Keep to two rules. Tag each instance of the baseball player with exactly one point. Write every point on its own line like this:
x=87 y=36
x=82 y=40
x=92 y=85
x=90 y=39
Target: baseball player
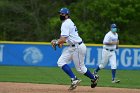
x=75 y=51
x=110 y=44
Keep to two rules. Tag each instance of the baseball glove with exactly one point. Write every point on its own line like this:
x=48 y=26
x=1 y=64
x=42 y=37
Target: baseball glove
x=54 y=43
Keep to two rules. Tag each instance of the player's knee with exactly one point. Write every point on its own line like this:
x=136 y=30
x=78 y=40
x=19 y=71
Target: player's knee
x=101 y=66
x=60 y=64
x=82 y=70
x=113 y=67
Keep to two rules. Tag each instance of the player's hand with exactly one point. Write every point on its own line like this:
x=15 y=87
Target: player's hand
x=54 y=43
x=60 y=45
x=118 y=42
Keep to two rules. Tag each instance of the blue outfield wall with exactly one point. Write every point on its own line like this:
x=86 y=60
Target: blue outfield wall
x=42 y=54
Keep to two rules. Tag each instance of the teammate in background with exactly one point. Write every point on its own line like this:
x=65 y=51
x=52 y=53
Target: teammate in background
x=110 y=44
x=75 y=51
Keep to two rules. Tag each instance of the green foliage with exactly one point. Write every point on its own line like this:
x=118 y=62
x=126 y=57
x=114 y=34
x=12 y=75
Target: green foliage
x=101 y=13
x=38 y=20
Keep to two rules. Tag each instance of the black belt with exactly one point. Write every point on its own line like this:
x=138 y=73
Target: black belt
x=78 y=43
x=109 y=49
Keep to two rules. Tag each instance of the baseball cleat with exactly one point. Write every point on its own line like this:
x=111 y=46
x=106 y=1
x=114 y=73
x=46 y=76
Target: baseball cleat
x=95 y=73
x=74 y=84
x=94 y=82
x=115 y=81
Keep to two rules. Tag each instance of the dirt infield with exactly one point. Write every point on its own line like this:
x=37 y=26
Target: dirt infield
x=7 y=87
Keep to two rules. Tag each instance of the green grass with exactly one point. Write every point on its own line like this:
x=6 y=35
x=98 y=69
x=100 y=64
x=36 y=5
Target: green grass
x=129 y=78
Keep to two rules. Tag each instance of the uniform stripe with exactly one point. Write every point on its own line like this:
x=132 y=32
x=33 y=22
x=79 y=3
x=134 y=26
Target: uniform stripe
x=65 y=35
x=79 y=58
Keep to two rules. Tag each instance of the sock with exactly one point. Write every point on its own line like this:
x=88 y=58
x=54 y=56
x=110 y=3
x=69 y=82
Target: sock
x=113 y=74
x=89 y=74
x=97 y=69
x=68 y=71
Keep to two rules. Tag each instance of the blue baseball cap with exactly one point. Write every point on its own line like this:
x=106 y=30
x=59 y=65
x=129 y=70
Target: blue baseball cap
x=64 y=11
x=113 y=26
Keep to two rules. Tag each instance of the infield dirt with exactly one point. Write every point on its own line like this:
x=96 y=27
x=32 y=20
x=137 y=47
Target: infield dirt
x=9 y=87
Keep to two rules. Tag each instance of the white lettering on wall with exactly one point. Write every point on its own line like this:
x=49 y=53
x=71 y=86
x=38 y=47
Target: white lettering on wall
x=99 y=55
x=126 y=58
x=88 y=57
x=1 y=53
x=136 y=58
x=94 y=59
x=127 y=62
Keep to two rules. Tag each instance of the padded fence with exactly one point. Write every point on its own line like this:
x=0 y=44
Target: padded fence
x=42 y=54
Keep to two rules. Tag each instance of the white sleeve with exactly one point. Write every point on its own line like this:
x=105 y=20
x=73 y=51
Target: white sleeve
x=117 y=37
x=106 y=39
x=65 y=30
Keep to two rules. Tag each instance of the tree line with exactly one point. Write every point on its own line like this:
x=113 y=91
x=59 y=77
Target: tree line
x=38 y=20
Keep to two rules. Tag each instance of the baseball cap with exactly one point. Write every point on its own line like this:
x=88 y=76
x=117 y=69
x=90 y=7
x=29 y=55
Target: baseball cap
x=113 y=26
x=64 y=11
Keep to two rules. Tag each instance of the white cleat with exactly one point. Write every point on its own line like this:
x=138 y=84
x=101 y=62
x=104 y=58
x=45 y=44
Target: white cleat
x=95 y=73
x=115 y=81
x=74 y=84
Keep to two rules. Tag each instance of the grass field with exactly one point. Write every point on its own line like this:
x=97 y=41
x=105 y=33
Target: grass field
x=129 y=78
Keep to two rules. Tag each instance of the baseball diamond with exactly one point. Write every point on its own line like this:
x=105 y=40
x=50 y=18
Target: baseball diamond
x=9 y=87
